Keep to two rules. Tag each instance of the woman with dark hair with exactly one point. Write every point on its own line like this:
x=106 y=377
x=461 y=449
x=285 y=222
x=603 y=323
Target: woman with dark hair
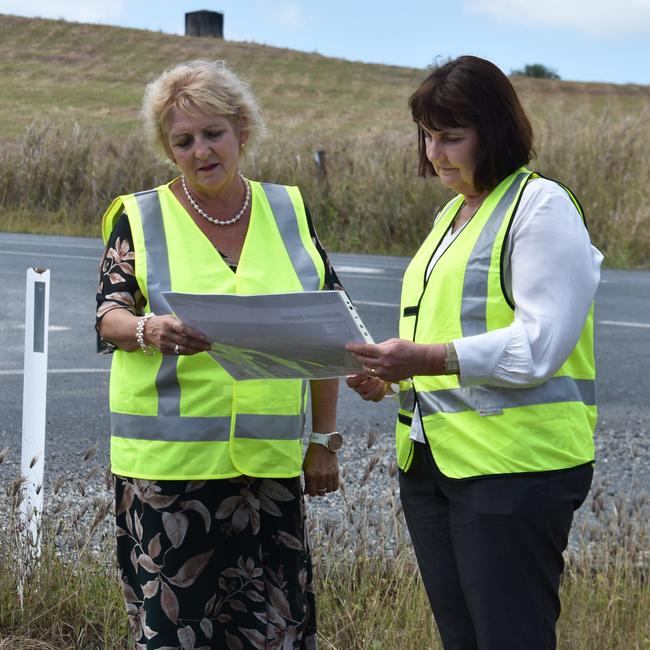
x=496 y=369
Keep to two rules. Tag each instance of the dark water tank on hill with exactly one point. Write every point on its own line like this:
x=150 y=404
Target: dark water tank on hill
x=204 y=23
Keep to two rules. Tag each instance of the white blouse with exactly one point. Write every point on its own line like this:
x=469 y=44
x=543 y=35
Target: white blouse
x=551 y=274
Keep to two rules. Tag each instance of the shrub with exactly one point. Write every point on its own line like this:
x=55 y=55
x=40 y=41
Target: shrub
x=536 y=70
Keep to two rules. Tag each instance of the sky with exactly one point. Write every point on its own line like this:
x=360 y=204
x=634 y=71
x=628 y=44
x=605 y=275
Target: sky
x=581 y=40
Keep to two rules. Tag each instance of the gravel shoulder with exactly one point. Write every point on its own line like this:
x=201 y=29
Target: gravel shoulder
x=77 y=486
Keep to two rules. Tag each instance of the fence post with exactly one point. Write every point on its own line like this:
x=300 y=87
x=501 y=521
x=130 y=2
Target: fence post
x=37 y=316
x=320 y=160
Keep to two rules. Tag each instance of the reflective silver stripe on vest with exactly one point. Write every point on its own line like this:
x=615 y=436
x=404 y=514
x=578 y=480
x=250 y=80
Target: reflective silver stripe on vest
x=206 y=429
x=158 y=276
x=303 y=392
x=492 y=400
x=473 y=314
x=407 y=399
x=158 y=280
x=169 y=428
x=287 y=222
x=269 y=427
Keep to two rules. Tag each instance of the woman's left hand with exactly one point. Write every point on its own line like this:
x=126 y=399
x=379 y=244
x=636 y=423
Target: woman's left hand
x=321 y=468
x=397 y=359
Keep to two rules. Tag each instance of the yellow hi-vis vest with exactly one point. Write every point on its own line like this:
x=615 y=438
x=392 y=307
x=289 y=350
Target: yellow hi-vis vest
x=183 y=417
x=483 y=430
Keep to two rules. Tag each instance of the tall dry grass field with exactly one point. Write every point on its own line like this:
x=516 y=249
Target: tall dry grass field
x=368 y=588
x=71 y=140
x=59 y=180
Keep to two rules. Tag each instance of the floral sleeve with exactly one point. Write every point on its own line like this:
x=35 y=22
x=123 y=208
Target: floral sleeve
x=118 y=287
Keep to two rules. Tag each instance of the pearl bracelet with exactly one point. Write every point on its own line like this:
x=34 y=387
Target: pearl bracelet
x=139 y=334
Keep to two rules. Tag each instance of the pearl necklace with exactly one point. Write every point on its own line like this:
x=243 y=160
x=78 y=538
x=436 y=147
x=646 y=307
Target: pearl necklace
x=205 y=215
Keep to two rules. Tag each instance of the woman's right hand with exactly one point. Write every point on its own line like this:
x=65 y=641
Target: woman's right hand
x=170 y=335
x=371 y=389
x=163 y=333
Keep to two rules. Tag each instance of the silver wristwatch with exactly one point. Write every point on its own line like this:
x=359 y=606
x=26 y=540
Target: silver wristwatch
x=332 y=441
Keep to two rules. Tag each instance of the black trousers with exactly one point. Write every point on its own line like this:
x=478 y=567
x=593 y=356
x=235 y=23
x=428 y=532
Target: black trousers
x=490 y=551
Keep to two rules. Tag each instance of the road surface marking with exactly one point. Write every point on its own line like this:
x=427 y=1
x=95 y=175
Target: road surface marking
x=60 y=371
x=614 y=323
x=21 y=326
x=47 y=254
x=342 y=268
x=51 y=328
x=21 y=242
x=376 y=304
x=624 y=324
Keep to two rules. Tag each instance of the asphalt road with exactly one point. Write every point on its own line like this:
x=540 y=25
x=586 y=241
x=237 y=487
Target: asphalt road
x=78 y=378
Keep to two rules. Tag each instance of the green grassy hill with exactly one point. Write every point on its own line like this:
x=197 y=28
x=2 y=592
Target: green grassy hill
x=95 y=74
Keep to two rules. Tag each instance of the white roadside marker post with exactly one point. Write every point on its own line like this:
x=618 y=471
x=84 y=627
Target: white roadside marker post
x=37 y=316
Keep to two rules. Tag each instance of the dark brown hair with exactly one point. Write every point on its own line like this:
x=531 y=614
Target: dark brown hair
x=472 y=92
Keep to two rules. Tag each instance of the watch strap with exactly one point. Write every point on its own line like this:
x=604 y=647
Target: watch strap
x=319 y=438
x=452 y=367
x=326 y=439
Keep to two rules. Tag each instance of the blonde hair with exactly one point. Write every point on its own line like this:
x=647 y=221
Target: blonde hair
x=200 y=86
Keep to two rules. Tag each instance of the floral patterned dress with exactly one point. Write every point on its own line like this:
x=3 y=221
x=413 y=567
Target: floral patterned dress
x=216 y=564
x=208 y=564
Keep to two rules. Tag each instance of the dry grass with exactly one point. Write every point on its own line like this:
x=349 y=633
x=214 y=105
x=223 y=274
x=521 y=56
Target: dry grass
x=59 y=180
x=604 y=158
x=70 y=598
x=369 y=593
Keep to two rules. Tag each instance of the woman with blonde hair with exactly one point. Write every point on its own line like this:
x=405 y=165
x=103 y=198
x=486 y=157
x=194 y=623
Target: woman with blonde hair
x=211 y=540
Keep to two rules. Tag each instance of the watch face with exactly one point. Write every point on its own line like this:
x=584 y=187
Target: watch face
x=334 y=442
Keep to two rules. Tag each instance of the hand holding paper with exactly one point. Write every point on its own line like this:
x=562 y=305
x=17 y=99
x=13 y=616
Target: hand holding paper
x=277 y=336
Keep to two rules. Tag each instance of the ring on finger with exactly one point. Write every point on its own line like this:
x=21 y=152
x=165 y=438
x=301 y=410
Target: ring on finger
x=372 y=371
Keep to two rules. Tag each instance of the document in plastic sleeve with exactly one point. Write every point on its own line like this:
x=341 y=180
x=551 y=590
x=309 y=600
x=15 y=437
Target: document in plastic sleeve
x=276 y=336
